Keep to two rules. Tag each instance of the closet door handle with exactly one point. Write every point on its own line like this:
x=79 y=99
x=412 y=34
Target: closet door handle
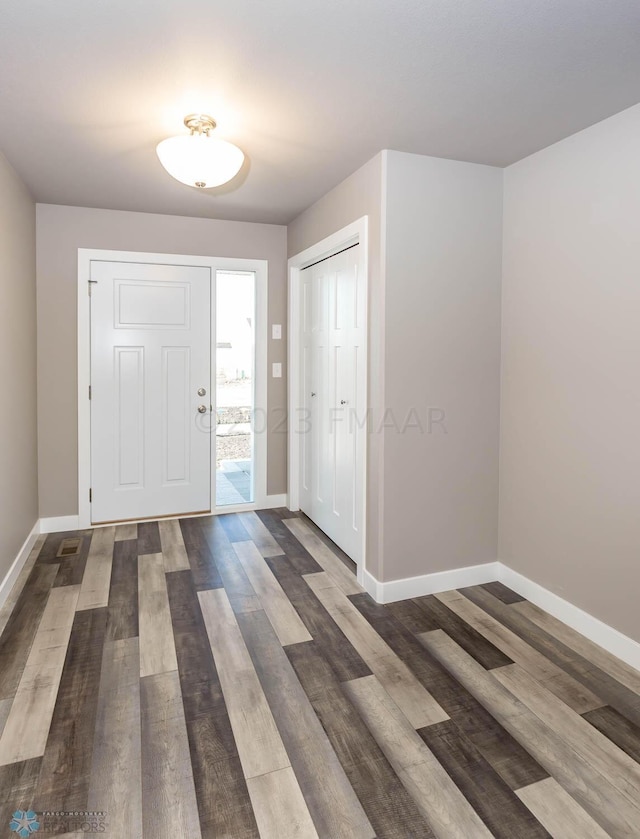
x=344 y=401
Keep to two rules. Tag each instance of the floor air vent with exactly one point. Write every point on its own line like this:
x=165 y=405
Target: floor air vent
x=69 y=547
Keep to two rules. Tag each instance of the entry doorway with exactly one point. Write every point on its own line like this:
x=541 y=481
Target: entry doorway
x=172 y=352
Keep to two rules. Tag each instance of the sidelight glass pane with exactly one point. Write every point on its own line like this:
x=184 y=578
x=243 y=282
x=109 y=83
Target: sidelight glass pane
x=235 y=354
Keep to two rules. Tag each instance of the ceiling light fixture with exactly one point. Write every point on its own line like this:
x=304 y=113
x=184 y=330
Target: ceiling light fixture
x=197 y=159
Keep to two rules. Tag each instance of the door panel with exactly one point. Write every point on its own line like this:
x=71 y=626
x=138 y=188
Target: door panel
x=128 y=377
x=150 y=352
x=151 y=305
x=176 y=425
x=334 y=444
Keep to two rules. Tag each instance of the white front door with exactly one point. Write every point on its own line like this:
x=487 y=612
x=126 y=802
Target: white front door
x=334 y=388
x=150 y=390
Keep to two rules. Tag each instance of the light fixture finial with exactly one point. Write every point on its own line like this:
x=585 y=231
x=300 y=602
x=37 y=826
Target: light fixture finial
x=200 y=123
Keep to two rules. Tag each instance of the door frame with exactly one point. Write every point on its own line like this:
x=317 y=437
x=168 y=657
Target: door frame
x=260 y=266
x=352 y=234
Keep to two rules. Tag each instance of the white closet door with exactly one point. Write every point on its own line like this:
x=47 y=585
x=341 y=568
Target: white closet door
x=334 y=382
x=150 y=354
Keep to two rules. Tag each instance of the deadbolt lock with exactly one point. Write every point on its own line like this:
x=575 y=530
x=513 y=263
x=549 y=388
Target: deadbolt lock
x=202 y=391
x=202 y=409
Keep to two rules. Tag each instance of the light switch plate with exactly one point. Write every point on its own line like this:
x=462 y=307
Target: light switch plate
x=277 y=370
x=276 y=331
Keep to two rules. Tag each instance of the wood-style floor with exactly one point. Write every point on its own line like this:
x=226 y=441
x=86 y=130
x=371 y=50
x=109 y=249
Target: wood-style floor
x=227 y=677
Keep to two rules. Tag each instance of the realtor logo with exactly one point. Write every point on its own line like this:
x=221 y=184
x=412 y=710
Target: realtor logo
x=24 y=823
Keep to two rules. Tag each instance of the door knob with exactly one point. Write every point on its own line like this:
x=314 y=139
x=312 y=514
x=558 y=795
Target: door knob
x=344 y=402
x=202 y=391
x=202 y=409
x=313 y=393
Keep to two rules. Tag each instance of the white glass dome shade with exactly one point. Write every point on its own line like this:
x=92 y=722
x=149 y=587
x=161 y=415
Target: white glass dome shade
x=198 y=159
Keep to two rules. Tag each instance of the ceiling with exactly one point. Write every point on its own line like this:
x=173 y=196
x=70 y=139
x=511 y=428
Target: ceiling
x=309 y=89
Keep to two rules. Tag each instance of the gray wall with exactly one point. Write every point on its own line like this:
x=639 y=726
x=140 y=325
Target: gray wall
x=18 y=406
x=570 y=449
x=442 y=354
x=434 y=342
x=61 y=231
x=361 y=194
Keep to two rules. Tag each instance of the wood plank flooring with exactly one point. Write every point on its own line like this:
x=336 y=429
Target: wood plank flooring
x=226 y=678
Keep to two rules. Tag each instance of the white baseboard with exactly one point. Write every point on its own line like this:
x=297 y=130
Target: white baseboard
x=276 y=501
x=394 y=590
x=58 y=524
x=16 y=567
x=593 y=628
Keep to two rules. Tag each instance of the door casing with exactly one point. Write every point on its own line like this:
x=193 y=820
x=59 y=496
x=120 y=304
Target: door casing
x=356 y=232
x=260 y=267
